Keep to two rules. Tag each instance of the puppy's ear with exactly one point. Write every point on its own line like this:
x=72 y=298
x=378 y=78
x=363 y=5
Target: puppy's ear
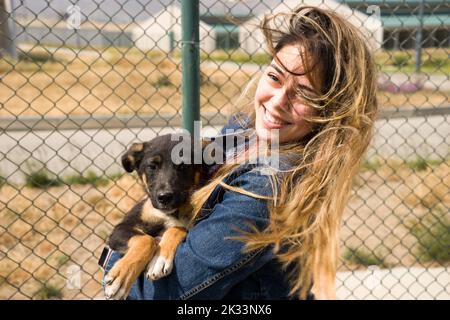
x=133 y=157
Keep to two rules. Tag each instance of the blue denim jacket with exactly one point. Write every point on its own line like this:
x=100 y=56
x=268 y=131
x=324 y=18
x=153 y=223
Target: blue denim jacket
x=207 y=265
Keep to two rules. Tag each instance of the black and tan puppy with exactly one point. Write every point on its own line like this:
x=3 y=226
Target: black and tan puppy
x=164 y=213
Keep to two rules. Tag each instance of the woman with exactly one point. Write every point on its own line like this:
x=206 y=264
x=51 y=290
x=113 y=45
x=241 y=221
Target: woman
x=275 y=236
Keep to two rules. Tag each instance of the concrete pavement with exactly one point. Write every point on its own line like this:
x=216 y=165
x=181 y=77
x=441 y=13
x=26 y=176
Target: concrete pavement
x=394 y=284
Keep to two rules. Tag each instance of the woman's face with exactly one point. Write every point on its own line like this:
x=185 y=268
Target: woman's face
x=276 y=105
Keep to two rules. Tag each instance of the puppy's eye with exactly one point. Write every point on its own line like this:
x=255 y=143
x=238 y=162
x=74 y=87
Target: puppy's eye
x=151 y=166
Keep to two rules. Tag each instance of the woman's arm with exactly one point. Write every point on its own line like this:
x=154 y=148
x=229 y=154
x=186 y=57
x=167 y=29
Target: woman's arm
x=207 y=265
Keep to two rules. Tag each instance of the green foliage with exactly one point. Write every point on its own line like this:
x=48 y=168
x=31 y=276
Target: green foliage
x=433 y=236
x=418 y=164
x=237 y=57
x=437 y=63
x=434 y=61
x=37 y=57
x=371 y=165
x=48 y=291
x=364 y=257
x=90 y=178
x=163 y=81
x=400 y=60
x=421 y=164
x=63 y=259
x=41 y=179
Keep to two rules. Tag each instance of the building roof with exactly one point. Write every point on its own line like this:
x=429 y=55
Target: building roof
x=413 y=21
x=399 y=8
x=392 y=2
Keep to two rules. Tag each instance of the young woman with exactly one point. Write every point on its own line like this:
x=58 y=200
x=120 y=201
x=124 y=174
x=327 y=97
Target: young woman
x=276 y=236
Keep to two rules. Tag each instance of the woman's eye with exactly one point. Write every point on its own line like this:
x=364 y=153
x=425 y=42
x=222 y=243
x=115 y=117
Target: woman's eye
x=273 y=77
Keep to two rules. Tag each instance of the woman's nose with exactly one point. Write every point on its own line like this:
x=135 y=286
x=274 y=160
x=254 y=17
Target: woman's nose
x=280 y=99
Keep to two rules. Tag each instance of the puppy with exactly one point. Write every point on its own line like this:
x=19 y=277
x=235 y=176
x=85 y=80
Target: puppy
x=164 y=212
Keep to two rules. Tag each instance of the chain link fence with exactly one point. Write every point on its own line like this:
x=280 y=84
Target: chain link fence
x=81 y=80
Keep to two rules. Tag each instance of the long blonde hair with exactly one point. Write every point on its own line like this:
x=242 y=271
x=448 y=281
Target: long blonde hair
x=309 y=200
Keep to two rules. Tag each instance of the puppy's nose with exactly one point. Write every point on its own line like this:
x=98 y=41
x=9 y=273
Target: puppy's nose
x=165 y=197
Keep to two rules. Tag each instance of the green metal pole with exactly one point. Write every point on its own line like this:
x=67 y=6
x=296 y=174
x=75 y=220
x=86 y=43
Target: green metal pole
x=190 y=63
x=419 y=38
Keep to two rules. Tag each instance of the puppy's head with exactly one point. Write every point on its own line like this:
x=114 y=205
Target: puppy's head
x=168 y=178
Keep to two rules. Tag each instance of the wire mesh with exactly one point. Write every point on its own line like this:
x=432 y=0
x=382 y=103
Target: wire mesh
x=81 y=80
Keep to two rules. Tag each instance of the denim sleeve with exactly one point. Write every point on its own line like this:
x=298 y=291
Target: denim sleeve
x=207 y=265
x=234 y=124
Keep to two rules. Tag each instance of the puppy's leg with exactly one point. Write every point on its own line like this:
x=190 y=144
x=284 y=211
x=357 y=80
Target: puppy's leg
x=125 y=271
x=162 y=262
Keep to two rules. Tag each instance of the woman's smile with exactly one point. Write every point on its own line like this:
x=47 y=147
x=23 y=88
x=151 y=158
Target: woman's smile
x=272 y=122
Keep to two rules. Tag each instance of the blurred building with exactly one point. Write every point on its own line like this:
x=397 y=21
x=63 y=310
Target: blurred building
x=163 y=31
x=252 y=40
x=225 y=24
x=58 y=32
x=400 y=20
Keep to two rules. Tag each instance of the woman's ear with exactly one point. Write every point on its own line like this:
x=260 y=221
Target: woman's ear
x=133 y=157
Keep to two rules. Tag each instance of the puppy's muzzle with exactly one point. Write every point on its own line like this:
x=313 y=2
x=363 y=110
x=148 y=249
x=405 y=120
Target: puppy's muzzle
x=165 y=198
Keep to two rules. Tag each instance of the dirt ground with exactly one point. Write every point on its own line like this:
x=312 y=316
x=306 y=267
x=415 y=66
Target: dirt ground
x=45 y=234
x=107 y=86
x=131 y=82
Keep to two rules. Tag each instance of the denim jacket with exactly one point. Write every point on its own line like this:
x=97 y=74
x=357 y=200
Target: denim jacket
x=207 y=264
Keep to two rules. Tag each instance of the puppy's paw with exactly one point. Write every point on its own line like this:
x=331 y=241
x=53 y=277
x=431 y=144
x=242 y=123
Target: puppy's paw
x=159 y=267
x=117 y=285
x=114 y=289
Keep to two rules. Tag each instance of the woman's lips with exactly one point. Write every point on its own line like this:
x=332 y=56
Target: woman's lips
x=271 y=122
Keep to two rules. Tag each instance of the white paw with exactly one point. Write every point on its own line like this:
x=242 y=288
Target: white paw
x=114 y=289
x=159 y=267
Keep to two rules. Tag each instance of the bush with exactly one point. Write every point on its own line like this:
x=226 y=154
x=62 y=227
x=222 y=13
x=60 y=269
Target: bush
x=41 y=179
x=163 y=81
x=237 y=57
x=437 y=63
x=37 y=57
x=400 y=60
x=91 y=178
x=364 y=257
x=2 y=182
x=372 y=165
x=433 y=237
x=47 y=292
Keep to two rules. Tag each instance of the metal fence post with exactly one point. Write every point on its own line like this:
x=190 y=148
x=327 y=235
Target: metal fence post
x=7 y=30
x=419 y=36
x=190 y=63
